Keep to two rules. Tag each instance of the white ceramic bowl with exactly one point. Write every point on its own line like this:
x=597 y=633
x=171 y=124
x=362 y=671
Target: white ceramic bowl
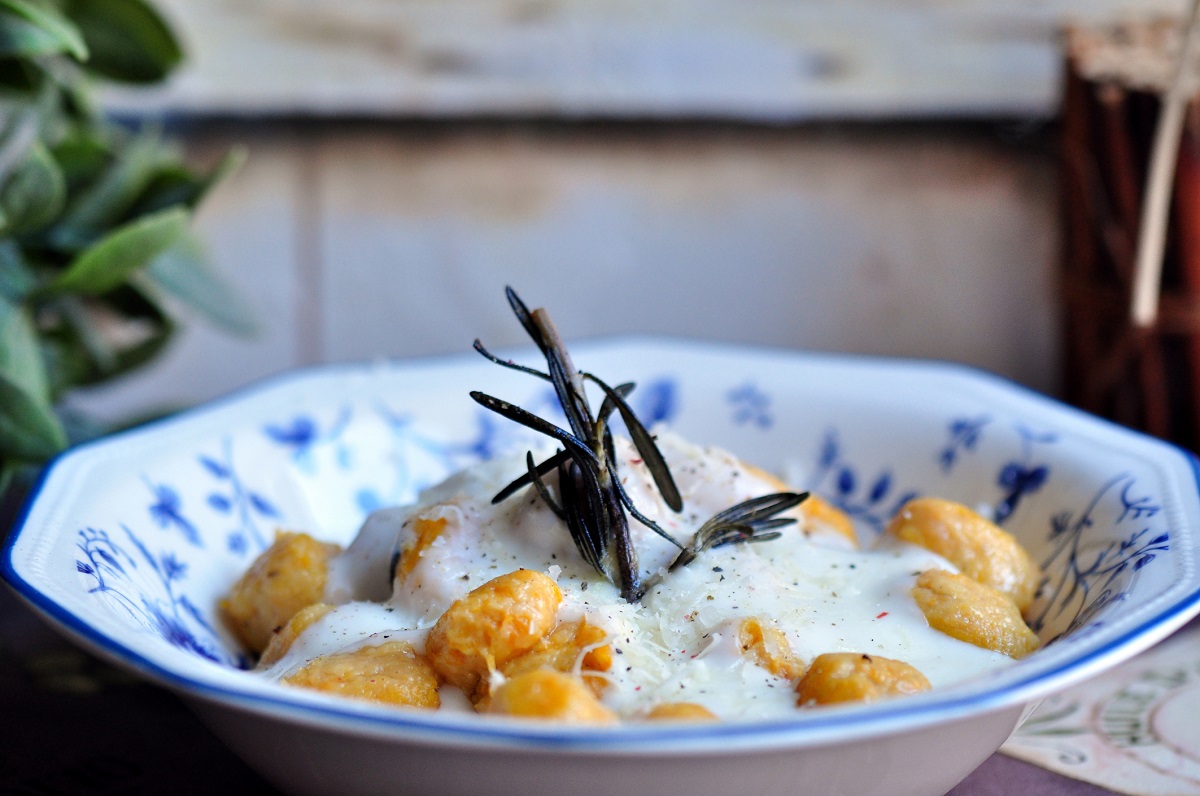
x=129 y=542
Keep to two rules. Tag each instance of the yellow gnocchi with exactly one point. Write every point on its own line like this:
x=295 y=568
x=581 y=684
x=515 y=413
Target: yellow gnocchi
x=768 y=646
x=505 y=617
x=572 y=647
x=980 y=549
x=425 y=531
x=391 y=672
x=680 y=711
x=971 y=612
x=856 y=677
x=283 y=639
x=733 y=635
x=287 y=576
x=549 y=694
x=818 y=516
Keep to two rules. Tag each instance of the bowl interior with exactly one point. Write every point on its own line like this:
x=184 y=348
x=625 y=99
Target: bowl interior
x=131 y=542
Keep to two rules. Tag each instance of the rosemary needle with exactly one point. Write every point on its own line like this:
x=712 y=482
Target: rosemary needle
x=588 y=496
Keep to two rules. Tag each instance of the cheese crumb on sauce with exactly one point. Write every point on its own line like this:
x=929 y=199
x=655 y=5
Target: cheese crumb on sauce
x=680 y=643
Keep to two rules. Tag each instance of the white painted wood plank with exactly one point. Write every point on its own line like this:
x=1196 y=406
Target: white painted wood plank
x=777 y=60
x=251 y=225
x=900 y=244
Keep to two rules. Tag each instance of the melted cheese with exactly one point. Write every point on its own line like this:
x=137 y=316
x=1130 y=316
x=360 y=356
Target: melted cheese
x=680 y=642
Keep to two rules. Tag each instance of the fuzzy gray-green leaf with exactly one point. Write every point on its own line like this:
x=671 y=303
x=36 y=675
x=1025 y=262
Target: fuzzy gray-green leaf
x=29 y=29
x=110 y=196
x=16 y=279
x=28 y=428
x=185 y=272
x=177 y=184
x=128 y=40
x=20 y=356
x=112 y=259
x=33 y=194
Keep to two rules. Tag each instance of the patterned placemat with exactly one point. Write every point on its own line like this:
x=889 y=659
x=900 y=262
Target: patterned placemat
x=1135 y=729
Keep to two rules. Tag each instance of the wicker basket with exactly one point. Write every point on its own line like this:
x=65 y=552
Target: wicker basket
x=1147 y=378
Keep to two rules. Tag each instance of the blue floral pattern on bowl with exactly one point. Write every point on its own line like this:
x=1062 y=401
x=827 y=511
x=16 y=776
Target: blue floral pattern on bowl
x=156 y=524
x=1085 y=586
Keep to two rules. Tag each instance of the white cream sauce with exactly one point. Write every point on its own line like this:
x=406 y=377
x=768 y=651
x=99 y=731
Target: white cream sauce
x=679 y=643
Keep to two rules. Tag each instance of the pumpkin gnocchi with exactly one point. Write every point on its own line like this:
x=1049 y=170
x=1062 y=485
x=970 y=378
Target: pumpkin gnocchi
x=493 y=603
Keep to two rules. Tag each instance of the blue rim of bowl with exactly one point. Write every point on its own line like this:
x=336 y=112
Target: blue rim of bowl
x=813 y=729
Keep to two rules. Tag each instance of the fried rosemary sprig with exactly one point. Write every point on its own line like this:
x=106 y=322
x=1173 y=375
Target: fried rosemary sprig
x=591 y=500
x=753 y=520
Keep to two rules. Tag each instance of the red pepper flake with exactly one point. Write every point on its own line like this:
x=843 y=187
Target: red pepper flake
x=635 y=461
x=882 y=615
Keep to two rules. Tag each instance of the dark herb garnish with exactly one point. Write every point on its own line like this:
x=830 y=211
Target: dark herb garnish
x=590 y=498
x=753 y=520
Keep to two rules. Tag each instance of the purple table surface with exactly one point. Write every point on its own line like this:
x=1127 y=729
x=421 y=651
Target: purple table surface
x=71 y=724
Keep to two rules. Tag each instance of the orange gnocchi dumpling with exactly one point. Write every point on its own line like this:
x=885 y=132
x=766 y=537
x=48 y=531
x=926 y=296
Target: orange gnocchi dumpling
x=572 y=648
x=421 y=532
x=391 y=672
x=491 y=625
x=819 y=516
x=979 y=548
x=286 y=577
x=856 y=677
x=286 y=636
x=549 y=694
x=969 y=611
x=764 y=643
x=815 y=516
x=680 y=711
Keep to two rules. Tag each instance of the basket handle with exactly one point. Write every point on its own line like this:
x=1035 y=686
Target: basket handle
x=1147 y=273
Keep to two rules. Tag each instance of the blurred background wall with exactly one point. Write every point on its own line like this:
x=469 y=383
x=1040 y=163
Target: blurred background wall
x=872 y=176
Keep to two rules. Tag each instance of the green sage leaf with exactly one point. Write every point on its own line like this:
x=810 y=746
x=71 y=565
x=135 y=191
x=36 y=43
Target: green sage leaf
x=20 y=354
x=111 y=260
x=16 y=279
x=31 y=28
x=18 y=134
x=176 y=184
x=67 y=364
x=8 y=475
x=128 y=40
x=185 y=272
x=28 y=428
x=100 y=338
x=83 y=326
x=19 y=77
x=33 y=195
x=82 y=158
x=108 y=199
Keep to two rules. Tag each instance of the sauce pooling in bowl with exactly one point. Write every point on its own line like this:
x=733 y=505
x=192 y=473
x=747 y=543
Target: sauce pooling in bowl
x=494 y=604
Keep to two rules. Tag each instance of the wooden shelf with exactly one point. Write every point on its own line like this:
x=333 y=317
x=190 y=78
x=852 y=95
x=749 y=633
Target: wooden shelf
x=768 y=60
